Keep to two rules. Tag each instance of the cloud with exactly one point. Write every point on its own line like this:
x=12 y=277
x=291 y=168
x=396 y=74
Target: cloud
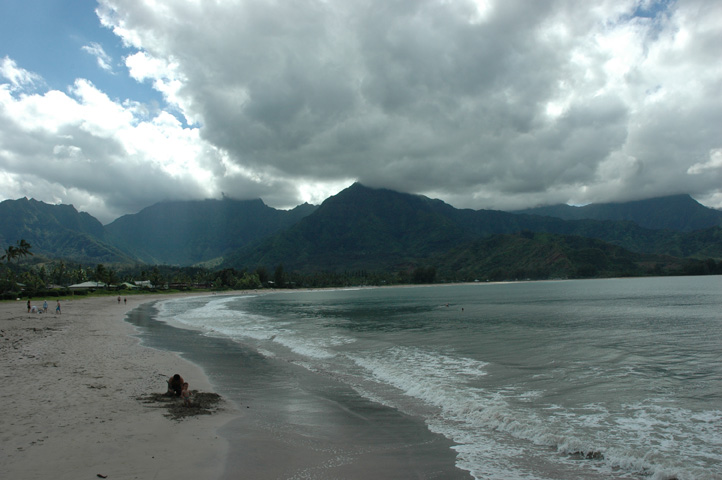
x=485 y=104
x=103 y=59
x=513 y=103
x=108 y=157
x=18 y=78
x=712 y=165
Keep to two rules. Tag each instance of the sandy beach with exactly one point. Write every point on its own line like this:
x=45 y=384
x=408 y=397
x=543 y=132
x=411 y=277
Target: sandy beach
x=72 y=398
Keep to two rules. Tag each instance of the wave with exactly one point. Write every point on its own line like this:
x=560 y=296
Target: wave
x=493 y=418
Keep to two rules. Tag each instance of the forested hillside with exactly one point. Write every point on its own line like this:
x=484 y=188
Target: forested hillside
x=370 y=230
x=677 y=212
x=57 y=231
x=189 y=232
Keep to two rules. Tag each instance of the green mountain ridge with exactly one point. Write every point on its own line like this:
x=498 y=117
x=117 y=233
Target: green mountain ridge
x=190 y=232
x=675 y=212
x=58 y=231
x=365 y=229
x=547 y=256
x=357 y=228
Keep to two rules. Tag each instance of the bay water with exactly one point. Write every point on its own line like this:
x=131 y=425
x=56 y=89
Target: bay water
x=614 y=378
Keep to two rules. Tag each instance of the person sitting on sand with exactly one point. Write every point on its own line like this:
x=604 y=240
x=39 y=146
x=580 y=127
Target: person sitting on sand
x=175 y=385
x=186 y=395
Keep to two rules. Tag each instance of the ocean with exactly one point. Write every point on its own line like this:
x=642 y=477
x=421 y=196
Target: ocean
x=614 y=378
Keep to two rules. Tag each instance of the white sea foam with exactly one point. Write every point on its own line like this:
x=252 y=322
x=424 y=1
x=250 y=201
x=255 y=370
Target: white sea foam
x=196 y=312
x=467 y=414
x=218 y=317
x=307 y=347
x=214 y=317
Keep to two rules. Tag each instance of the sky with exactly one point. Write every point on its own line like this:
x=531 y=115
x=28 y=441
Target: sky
x=114 y=105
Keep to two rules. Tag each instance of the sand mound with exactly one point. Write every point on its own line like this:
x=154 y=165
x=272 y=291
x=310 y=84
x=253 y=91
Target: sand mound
x=202 y=403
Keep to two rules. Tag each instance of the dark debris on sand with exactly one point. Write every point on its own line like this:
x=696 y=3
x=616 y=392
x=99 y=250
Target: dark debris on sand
x=202 y=403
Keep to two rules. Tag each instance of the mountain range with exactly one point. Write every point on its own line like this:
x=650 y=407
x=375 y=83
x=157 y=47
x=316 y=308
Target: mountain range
x=190 y=232
x=58 y=231
x=362 y=228
x=675 y=212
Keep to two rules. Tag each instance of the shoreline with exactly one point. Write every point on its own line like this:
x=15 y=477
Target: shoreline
x=71 y=397
x=295 y=423
x=75 y=391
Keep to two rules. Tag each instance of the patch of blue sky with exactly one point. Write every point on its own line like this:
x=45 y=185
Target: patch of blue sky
x=62 y=40
x=652 y=8
x=654 y=13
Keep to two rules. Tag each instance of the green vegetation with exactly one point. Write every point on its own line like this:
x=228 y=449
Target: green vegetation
x=500 y=258
x=541 y=256
x=52 y=278
x=15 y=252
x=360 y=236
x=191 y=232
x=676 y=212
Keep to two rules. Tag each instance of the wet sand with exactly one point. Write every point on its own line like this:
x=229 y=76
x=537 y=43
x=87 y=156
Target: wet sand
x=74 y=398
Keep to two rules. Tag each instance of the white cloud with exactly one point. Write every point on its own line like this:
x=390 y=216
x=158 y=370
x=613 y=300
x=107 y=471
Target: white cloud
x=18 y=77
x=104 y=60
x=166 y=79
x=86 y=148
x=712 y=165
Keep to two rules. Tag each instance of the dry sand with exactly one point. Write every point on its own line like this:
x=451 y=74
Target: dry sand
x=74 y=399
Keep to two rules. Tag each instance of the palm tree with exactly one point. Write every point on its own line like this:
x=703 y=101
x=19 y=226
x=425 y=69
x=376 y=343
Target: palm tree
x=23 y=249
x=101 y=273
x=10 y=253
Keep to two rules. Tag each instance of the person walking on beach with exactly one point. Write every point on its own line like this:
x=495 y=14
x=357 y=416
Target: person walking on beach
x=57 y=308
x=45 y=306
x=118 y=299
x=28 y=306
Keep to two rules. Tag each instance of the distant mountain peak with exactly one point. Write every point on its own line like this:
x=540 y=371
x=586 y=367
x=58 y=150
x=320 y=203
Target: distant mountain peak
x=56 y=231
x=678 y=212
